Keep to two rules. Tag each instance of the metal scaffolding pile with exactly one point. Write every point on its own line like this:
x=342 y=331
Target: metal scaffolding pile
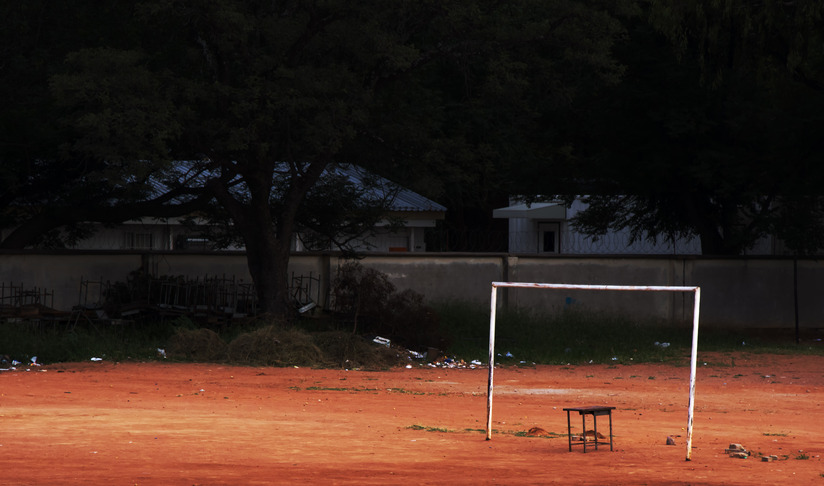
x=18 y=301
x=215 y=299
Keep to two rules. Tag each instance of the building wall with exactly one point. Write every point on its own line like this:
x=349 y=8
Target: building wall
x=753 y=292
x=158 y=236
x=523 y=238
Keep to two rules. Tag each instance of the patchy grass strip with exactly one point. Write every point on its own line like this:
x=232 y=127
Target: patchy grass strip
x=516 y=433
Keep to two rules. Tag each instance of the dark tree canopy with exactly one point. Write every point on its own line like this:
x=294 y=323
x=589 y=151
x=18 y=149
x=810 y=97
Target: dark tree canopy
x=715 y=129
x=263 y=97
x=677 y=117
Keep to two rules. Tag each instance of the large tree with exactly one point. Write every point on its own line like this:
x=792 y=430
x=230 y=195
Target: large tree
x=715 y=131
x=262 y=98
x=79 y=122
x=505 y=94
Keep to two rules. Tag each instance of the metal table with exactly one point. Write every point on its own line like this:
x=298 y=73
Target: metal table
x=595 y=411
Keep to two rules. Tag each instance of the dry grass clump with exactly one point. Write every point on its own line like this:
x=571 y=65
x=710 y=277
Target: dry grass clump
x=274 y=346
x=350 y=351
x=197 y=345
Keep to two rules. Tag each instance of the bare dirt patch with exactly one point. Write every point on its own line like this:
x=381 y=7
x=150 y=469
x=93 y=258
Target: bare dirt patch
x=165 y=423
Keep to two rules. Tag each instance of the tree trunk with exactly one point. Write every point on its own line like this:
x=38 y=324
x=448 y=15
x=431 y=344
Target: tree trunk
x=699 y=212
x=269 y=265
x=268 y=239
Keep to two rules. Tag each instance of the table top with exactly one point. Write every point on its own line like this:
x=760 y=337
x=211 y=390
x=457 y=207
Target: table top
x=589 y=409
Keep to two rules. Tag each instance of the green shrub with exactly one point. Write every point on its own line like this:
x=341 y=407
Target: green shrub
x=365 y=298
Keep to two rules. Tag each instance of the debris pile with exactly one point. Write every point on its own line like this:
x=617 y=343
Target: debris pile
x=450 y=363
x=9 y=364
x=737 y=451
x=589 y=435
x=538 y=432
x=18 y=301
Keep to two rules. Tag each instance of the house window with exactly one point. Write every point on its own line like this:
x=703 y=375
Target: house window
x=191 y=243
x=548 y=237
x=137 y=241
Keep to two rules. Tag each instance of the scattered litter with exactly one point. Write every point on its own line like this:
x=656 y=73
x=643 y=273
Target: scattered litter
x=670 y=440
x=449 y=363
x=476 y=362
x=415 y=354
x=382 y=341
x=662 y=345
x=161 y=352
x=306 y=308
x=408 y=366
x=614 y=358
x=97 y=359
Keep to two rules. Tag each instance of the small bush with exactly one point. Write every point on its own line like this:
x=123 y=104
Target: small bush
x=367 y=299
x=412 y=323
x=360 y=294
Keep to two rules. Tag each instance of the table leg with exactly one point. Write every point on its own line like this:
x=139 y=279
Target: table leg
x=595 y=429
x=569 y=432
x=584 y=427
x=610 y=430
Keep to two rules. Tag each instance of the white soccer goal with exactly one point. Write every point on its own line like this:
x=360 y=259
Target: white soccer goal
x=647 y=288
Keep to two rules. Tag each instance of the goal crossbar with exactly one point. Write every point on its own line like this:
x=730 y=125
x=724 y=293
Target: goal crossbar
x=644 y=288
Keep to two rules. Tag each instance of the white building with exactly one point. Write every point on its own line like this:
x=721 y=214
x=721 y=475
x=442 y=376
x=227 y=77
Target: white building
x=416 y=213
x=544 y=227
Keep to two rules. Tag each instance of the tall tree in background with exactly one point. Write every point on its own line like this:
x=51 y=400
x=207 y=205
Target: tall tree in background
x=459 y=91
x=715 y=131
x=502 y=95
x=60 y=166
x=260 y=95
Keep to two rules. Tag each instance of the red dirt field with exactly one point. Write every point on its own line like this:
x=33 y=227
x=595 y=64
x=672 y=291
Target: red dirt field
x=171 y=423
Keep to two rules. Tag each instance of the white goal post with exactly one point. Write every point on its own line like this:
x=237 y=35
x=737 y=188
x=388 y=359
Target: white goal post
x=648 y=288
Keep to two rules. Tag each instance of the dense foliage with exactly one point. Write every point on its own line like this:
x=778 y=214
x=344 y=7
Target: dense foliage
x=676 y=117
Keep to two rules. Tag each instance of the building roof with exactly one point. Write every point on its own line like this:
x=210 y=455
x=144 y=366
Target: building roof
x=379 y=188
x=532 y=211
x=405 y=200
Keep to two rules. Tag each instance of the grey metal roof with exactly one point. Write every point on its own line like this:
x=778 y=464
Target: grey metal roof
x=405 y=200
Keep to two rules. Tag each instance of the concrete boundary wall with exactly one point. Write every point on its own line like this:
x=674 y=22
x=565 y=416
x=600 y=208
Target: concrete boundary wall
x=736 y=292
